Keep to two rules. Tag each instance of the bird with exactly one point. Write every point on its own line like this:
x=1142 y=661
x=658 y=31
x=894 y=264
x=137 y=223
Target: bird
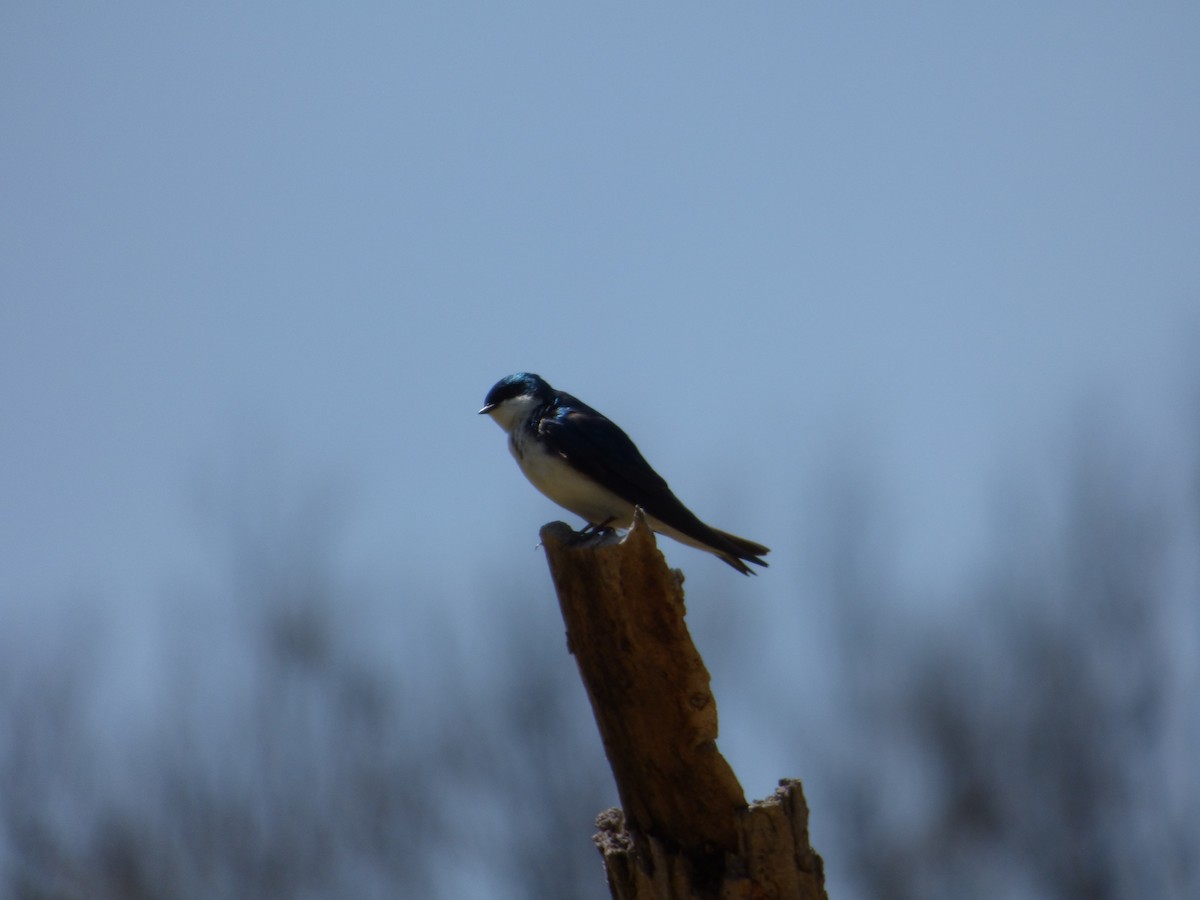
x=583 y=462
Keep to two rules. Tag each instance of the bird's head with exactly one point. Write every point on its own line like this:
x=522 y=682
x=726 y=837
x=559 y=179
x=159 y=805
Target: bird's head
x=514 y=397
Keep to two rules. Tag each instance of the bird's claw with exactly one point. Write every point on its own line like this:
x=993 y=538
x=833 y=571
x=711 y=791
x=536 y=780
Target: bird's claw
x=600 y=529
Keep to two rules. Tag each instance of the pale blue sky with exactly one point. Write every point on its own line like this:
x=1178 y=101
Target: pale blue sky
x=756 y=235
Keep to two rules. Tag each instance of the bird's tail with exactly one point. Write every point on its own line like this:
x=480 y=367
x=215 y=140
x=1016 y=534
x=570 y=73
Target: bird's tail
x=736 y=549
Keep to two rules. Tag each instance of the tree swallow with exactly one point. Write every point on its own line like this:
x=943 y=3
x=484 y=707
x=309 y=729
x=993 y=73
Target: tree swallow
x=585 y=463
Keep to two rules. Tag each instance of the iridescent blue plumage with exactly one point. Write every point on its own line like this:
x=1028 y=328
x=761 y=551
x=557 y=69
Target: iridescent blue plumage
x=581 y=460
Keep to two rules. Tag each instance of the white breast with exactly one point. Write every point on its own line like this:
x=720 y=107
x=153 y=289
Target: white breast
x=550 y=474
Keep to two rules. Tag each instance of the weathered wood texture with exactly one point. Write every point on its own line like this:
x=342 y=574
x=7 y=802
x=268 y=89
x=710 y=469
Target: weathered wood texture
x=685 y=830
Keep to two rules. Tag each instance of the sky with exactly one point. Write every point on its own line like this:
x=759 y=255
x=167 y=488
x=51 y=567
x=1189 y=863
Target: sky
x=256 y=249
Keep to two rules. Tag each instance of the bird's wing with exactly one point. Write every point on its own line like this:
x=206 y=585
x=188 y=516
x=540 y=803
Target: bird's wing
x=595 y=446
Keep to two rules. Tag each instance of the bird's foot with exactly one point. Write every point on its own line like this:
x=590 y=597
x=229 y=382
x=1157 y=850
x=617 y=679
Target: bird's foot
x=600 y=529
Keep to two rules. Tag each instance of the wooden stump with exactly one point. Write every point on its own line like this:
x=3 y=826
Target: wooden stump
x=686 y=830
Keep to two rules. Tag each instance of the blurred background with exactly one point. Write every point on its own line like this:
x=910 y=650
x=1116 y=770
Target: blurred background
x=911 y=296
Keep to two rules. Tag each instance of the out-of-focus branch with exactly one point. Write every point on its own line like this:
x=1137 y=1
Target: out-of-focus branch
x=686 y=830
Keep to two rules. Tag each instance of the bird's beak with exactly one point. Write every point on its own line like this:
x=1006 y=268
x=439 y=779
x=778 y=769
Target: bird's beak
x=487 y=409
